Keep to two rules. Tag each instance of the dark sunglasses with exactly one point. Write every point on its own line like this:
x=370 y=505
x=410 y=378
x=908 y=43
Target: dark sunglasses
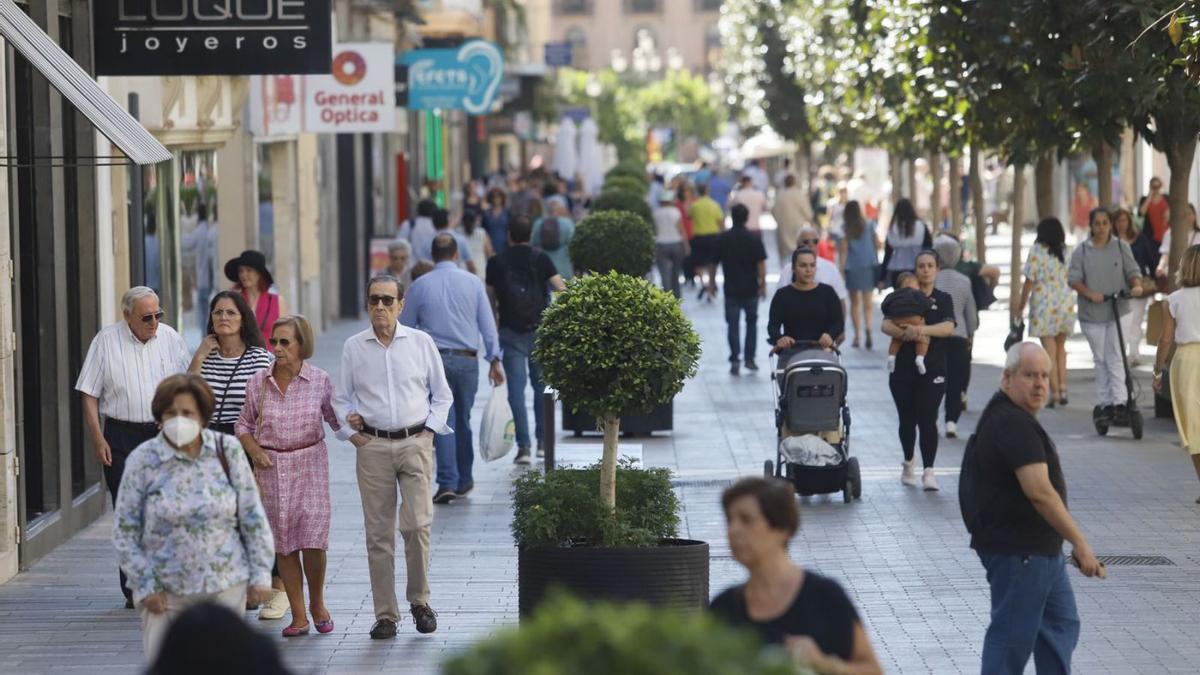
x=387 y=300
x=149 y=318
x=275 y=342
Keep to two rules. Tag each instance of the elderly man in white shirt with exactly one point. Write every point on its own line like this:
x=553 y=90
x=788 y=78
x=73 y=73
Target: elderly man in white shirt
x=123 y=367
x=827 y=272
x=392 y=398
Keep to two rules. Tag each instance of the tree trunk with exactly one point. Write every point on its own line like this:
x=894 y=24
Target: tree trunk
x=1044 y=179
x=956 y=205
x=608 y=465
x=803 y=163
x=896 y=169
x=935 y=196
x=912 y=181
x=1017 y=222
x=1179 y=159
x=1103 y=154
x=977 y=206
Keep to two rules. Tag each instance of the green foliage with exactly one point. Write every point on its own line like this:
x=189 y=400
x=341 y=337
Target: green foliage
x=628 y=170
x=625 y=183
x=614 y=108
x=683 y=102
x=613 y=344
x=632 y=202
x=612 y=240
x=563 y=508
x=567 y=635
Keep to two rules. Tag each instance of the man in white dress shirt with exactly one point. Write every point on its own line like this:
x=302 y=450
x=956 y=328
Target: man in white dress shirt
x=124 y=365
x=392 y=398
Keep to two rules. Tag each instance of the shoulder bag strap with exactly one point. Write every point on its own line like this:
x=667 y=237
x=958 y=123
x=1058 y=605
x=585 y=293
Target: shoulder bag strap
x=229 y=383
x=225 y=467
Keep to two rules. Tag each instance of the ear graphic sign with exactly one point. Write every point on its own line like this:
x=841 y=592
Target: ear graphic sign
x=485 y=64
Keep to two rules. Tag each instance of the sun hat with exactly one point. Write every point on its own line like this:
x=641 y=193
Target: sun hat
x=253 y=259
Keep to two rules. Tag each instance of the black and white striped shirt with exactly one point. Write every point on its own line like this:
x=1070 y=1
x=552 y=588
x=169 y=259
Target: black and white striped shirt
x=228 y=378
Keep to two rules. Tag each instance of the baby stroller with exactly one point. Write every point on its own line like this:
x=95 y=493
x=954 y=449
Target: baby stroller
x=813 y=424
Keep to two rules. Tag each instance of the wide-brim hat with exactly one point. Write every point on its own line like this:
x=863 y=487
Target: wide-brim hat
x=253 y=259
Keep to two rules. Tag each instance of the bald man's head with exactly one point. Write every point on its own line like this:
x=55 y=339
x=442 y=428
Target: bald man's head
x=1026 y=378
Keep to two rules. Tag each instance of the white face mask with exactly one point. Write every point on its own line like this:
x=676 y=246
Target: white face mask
x=181 y=431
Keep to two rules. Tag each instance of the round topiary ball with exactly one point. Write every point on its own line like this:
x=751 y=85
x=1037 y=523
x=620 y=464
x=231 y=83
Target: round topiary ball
x=624 y=201
x=628 y=170
x=621 y=183
x=613 y=344
x=612 y=241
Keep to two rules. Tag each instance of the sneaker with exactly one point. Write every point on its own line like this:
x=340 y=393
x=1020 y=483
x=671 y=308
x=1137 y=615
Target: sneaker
x=384 y=629
x=750 y=365
x=424 y=617
x=733 y=369
x=951 y=429
x=275 y=608
x=541 y=454
x=128 y=603
x=907 y=475
x=929 y=481
x=444 y=496
x=464 y=490
x=522 y=457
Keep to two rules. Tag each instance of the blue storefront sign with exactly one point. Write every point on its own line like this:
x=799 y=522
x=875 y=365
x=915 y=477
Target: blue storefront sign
x=466 y=78
x=557 y=54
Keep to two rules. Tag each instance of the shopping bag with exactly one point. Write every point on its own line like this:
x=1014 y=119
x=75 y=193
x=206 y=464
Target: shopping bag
x=497 y=432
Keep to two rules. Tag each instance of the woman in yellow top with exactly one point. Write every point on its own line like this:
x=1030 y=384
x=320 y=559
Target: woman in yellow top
x=708 y=221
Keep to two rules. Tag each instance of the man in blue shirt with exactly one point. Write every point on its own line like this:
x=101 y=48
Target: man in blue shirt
x=719 y=187
x=452 y=306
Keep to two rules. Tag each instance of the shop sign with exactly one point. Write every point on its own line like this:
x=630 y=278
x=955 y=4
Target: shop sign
x=466 y=78
x=557 y=54
x=213 y=37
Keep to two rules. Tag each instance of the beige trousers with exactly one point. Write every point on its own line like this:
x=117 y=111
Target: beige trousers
x=384 y=465
x=154 y=626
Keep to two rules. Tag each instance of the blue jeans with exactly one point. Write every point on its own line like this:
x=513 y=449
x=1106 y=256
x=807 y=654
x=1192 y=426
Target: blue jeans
x=455 y=452
x=519 y=365
x=734 y=307
x=1033 y=612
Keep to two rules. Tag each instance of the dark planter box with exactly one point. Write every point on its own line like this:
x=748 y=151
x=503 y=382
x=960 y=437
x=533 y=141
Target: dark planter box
x=674 y=574
x=661 y=418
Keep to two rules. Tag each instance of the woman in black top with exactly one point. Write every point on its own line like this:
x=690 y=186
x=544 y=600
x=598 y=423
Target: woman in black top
x=805 y=311
x=786 y=605
x=918 y=396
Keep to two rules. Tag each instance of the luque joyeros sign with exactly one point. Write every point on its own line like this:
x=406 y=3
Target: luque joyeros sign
x=465 y=78
x=211 y=37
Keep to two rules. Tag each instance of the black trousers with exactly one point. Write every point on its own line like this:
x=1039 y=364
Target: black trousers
x=958 y=376
x=917 y=402
x=122 y=438
x=734 y=307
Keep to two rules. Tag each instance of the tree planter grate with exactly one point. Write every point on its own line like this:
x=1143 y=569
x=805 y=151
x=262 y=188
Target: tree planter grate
x=1134 y=560
x=702 y=482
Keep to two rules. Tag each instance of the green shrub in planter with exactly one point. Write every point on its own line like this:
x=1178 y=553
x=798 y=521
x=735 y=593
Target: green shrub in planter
x=566 y=635
x=622 y=183
x=612 y=240
x=563 y=508
x=613 y=344
x=624 y=201
x=630 y=170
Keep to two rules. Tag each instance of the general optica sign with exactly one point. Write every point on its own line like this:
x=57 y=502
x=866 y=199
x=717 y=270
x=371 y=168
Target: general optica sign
x=211 y=37
x=360 y=94
x=465 y=78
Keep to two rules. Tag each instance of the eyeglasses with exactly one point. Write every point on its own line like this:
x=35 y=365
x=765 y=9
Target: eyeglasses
x=229 y=313
x=280 y=342
x=151 y=318
x=810 y=242
x=387 y=300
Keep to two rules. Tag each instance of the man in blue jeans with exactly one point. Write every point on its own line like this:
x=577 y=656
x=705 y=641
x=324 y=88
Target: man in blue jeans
x=519 y=281
x=743 y=258
x=1013 y=496
x=451 y=305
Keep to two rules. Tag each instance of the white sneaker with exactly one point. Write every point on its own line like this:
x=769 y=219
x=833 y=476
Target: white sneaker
x=907 y=475
x=276 y=607
x=929 y=481
x=951 y=430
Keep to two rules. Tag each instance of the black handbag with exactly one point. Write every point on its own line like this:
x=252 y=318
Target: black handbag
x=1016 y=333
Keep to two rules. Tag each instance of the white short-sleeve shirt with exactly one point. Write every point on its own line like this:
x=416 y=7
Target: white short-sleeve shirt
x=123 y=372
x=1184 y=305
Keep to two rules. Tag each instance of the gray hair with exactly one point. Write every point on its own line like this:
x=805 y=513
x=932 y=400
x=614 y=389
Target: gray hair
x=808 y=229
x=948 y=250
x=400 y=245
x=134 y=294
x=1015 y=353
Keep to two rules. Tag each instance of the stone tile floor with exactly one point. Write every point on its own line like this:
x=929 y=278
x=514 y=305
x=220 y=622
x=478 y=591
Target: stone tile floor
x=901 y=553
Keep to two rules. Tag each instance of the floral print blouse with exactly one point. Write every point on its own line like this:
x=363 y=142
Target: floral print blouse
x=177 y=520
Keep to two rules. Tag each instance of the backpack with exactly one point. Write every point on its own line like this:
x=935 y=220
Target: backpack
x=551 y=236
x=525 y=294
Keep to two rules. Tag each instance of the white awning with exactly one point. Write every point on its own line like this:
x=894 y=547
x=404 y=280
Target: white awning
x=78 y=87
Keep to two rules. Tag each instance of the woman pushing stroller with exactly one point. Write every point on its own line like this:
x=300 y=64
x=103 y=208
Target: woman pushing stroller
x=805 y=311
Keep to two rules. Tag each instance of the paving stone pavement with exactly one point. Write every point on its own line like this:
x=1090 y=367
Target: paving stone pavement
x=901 y=553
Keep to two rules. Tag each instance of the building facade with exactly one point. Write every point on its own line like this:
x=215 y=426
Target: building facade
x=606 y=33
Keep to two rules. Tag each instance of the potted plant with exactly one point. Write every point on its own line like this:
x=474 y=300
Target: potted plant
x=623 y=183
x=610 y=344
x=615 y=241
x=568 y=636
x=624 y=201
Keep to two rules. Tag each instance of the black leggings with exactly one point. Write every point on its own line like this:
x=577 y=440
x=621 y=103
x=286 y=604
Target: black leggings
x=958 y=375
x=917 y=403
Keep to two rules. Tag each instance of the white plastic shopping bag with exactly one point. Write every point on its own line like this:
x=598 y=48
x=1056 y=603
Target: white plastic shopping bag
x=498 y=431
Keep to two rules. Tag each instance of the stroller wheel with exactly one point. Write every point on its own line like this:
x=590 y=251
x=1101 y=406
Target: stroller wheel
x=854 y=473
x=769 y=469
x=848 y=492
x=1135 y=423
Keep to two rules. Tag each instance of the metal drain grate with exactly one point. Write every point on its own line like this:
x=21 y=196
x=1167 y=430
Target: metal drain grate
x=1131 y=560
x=702 y=482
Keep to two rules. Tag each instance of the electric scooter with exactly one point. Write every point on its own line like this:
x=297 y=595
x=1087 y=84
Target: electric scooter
x=1127 y=415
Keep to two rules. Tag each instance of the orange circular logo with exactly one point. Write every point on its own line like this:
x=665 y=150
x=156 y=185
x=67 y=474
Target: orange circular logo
x=349 y=68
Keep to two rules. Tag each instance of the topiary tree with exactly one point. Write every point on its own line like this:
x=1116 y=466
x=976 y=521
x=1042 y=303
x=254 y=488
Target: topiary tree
x=623 y=183
x=613 y=344
x=624 y=201
x=630 y=170
x=605 y=241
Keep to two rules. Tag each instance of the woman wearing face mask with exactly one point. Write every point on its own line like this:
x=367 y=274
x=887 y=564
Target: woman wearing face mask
x=188 y=499
x=280 y=427
x=785 y=604
x=1100 y=266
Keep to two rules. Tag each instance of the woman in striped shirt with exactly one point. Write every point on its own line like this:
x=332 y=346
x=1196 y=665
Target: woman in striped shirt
x=232 y=352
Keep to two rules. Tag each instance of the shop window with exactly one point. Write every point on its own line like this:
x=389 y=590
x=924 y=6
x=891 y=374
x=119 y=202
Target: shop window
x=198 y=221
x=573 y=7
x=577 y=37
x=708 y=5
x=643 y=6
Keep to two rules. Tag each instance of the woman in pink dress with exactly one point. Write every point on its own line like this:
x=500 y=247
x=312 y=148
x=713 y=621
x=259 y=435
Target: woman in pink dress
x=280 y=427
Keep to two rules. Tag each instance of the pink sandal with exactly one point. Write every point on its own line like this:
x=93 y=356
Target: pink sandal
x=325 y=626
x=292 y=631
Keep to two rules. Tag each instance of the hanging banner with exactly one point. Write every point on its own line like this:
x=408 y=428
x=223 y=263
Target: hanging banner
x=465 y=78
x=359 y=96
x=215 y=37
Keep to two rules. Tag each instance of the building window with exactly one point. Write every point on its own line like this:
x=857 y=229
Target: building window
x=712 y=45
x=577 y=38
x=643 y=6
x=573 y=7
x=708 y=5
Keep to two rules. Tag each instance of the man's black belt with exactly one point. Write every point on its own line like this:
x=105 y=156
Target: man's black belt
x=394 y=435
x=469 y=353
x=141 y=427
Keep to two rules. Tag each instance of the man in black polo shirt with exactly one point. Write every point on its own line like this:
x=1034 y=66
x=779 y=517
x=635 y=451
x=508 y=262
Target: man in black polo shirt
x=1013 y=496
x=744 y=261
x=519 y=282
